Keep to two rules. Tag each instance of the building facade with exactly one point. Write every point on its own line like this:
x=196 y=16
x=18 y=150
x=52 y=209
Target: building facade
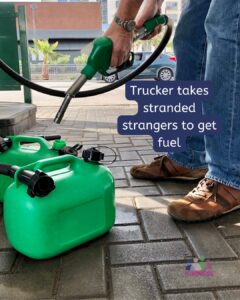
x=108 y=8
x=70 y=24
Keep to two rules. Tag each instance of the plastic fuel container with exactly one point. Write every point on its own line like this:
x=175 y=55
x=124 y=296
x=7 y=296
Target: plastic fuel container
x=80 y=208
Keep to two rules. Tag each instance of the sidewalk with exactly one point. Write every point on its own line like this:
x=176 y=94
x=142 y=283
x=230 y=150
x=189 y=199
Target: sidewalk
x=144 y=255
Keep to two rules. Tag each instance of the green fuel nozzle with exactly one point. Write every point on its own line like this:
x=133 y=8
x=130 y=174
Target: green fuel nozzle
x=149 y=26
x=99 y=61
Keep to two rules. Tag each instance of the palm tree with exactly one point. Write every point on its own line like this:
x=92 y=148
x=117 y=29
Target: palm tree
x=46 y=49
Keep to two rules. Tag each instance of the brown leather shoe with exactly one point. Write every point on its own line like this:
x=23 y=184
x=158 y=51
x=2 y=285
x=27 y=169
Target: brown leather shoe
x=207 y=201
x=164 y=168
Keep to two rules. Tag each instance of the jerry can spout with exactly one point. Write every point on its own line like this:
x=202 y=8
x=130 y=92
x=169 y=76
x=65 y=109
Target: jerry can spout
x=39 y=184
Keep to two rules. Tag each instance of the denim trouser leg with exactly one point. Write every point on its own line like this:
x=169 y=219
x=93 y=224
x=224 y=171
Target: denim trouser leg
x=190 y=49
x=223 y=69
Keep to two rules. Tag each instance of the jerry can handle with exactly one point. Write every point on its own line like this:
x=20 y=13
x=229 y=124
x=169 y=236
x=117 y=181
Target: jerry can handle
x=67 y=159
x=17 y=140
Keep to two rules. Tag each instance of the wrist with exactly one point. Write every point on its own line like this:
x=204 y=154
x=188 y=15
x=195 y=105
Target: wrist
x=128 y=25
x=116 y=29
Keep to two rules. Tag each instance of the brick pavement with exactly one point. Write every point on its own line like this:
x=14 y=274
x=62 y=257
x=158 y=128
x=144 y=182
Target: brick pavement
x=144 y=255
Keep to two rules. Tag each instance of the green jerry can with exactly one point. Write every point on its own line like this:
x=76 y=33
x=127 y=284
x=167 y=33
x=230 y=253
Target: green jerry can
x=80 y=208
x=14 y=152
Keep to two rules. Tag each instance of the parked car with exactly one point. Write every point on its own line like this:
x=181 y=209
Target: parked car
x=163 y=68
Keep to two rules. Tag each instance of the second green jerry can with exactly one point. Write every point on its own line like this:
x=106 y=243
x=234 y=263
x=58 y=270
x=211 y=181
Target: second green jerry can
x=80 y=208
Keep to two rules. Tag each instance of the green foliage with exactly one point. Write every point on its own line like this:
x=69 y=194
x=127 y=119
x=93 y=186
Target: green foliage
x=44 y=48
x=48 y=53
x=81 y=59
x=61 y=59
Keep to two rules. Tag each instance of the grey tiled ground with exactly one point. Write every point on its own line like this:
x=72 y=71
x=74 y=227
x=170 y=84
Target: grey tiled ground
x=144 y=256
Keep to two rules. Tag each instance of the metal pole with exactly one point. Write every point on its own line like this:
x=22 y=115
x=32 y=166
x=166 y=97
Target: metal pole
x=24 y=52
x=33 y=8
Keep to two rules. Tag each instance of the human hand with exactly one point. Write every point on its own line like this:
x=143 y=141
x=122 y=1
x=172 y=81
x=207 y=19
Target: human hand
x=148 y=10
x=122 y=43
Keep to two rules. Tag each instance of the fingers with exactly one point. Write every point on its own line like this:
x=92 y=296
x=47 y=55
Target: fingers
x=117 y=58
x=156 y=31
x=122 y=42
x=148 y=9
x=120 y=52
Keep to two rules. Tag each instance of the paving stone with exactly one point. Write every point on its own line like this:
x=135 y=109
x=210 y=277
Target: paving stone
x=176 y=187
x=106 y=137
x=83 y=273
x=134 y=283
x=229 y=225
x=120 y=183
x=190 y=296
x=140 y=137
x=229 y=295
x=124 y=163
x=146 y=202
x=122 y=146
x=150 y=151
x=137 y=142
x=26 y=264
x=4 y=244
x=7 y=259
x=148 y=252
x=235 y=243
x=125 y=234
x=137 y=148
x=129 y=155
x=118 y=172
x=137 y=182
x=121 y=140
x=137 y=191
x=173 y=276
x=159 y=225
x=23 y=286
x=207 y=241
x=83 y=140
x=126 y=213
x=90 y=134
x=90 y=298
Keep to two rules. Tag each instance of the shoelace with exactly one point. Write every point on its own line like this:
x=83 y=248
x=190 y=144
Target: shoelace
x=201 y=192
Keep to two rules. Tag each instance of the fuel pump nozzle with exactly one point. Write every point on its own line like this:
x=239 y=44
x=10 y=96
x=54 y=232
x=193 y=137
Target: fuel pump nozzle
x=100 y=58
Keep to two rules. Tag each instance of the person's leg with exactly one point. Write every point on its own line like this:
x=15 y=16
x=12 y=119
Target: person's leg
x=190 y=46
x=190 y=50
x=219 y=192
x=223 y=69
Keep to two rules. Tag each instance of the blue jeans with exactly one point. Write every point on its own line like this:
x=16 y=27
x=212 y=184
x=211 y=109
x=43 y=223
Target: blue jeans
x=207 y=47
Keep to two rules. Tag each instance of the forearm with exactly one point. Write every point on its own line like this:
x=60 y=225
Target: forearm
x=128 y=9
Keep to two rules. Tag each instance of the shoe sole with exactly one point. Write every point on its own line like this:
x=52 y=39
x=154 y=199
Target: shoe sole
x=205 y=220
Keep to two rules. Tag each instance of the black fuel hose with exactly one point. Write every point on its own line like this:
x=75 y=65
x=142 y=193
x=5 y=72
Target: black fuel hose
x=39 y=184
x=105 y=89
x=8 y=170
